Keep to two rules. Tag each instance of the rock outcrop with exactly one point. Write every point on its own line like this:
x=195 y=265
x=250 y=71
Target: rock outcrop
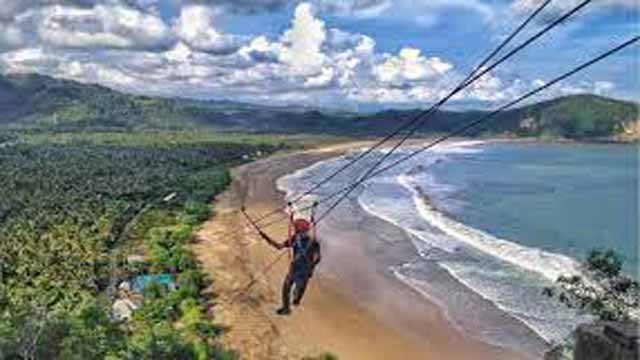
x=607 y=341
x=630 y=132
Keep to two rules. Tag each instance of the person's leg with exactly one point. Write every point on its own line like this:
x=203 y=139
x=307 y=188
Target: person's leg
x=286 y=294
x=301 y=286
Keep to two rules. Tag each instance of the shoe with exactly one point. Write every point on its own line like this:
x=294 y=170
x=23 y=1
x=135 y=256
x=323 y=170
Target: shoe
x=283 y=311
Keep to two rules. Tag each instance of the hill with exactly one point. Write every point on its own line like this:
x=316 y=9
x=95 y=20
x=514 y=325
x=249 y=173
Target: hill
x=30 y=100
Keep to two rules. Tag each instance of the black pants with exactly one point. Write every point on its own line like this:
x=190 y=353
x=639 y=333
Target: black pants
x=301 y=286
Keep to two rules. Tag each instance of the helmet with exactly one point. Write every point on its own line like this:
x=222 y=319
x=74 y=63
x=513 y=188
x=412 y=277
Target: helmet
x=301 y=225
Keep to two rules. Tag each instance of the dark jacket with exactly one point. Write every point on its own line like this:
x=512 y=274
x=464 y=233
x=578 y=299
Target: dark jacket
x=306 y=254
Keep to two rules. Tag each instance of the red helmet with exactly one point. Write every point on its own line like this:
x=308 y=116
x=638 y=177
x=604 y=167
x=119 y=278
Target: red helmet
x=301 y=225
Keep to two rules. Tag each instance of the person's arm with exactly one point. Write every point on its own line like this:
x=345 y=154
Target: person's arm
x=275 y=244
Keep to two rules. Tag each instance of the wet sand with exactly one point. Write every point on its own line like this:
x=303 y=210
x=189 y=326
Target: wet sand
x=353 y=308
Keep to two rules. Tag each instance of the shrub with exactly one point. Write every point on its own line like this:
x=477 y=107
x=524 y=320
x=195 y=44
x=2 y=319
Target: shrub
x=183 y=260
x=158 y=310
x=154 y=290
x=571 y=280
x=196 y=212
x=202 y=186
x=604 y=312
x=200 y=350
x=162 y=258
x=191 y=314
x=323 y=356
x=158 y=342
x=189 y=283
x=165 y=247
x=224 y=354
x=90 y=334
x=180 y=234
x=158 y=236
x=607 y=262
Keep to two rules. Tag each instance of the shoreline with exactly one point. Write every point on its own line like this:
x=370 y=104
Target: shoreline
x=352 y=308
x=535 y=342
x=562 y=140
x=424 y=199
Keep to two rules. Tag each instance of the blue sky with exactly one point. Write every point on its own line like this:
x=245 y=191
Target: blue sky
x=325 y=53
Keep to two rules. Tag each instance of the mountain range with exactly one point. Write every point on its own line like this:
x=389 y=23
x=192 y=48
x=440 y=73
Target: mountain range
x=38 y=101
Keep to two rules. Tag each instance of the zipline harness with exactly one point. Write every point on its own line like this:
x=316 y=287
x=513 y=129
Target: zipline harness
x=290 y=238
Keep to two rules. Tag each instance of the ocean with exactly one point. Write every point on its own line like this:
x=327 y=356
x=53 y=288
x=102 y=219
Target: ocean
x=502 y=219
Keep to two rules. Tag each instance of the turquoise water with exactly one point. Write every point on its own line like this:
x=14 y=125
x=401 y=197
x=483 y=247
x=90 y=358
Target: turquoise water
x=560 y=198
x=504 y=220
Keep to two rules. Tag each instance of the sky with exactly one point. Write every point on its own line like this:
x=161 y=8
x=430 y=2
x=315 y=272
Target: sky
x=348 y=54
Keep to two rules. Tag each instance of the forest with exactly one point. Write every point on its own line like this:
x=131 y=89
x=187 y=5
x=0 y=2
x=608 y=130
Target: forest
x=76 y=210
x=29 y=101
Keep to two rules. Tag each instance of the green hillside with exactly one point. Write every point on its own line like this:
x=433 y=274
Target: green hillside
x=576 y=117
x=35 y=101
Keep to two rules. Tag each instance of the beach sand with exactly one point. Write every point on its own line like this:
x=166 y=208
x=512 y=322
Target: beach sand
x=353 y=307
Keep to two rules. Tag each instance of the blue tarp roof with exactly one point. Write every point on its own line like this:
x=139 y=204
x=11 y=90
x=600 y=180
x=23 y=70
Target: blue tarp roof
x=139 y=283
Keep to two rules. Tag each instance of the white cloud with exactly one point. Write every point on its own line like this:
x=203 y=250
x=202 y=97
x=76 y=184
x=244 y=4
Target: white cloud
x=603 y=87
x=489 y=88
x=302 y=43
x=101 y=27
x=95 y=73
x=409 y=66
x=24 y=60
x=195 y=27
x=324 y=79
x=134 y=49
x=581 y=87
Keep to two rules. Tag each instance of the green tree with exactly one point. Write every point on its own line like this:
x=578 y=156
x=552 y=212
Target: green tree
x=158 y=342
x=90 y=334
x=607 y=262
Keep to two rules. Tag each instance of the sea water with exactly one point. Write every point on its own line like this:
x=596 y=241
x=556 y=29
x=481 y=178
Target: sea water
x=502 y=219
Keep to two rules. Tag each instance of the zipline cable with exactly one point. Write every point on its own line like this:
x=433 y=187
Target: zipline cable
x=345 y=189
x=460 y=131
x=465 y=83
x=418 y=120
x=474 y=76
x=489 y=116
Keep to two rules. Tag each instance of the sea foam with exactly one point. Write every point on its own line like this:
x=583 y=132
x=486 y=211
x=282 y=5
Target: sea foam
x=550 y=265
x=550 y=321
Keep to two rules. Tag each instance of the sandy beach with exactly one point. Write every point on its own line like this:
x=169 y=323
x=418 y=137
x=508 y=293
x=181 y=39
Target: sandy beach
x=353 y=308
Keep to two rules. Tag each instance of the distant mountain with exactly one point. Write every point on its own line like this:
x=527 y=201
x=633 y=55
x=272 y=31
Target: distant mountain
x=31 y=100
x=36 y=101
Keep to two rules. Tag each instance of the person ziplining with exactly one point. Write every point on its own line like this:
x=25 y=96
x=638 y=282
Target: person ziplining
x=304 y=255
x=305 y=249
